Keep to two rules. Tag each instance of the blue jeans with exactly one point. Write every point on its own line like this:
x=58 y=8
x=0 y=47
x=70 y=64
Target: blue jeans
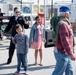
x=63 y=64
x=22 y=58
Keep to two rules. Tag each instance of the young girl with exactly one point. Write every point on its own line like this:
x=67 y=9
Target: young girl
x=22 y=48
x=37 y=38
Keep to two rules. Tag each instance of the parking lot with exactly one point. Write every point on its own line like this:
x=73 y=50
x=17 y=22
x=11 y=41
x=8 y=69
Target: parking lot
x=46 y=69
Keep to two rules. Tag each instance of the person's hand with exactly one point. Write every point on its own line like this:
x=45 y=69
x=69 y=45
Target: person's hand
x=73 y=57
x=12 y=38
x=2 y=32
x=28 y=22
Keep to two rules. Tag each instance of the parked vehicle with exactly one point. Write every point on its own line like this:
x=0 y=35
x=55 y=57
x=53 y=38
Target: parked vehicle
x=29 y=18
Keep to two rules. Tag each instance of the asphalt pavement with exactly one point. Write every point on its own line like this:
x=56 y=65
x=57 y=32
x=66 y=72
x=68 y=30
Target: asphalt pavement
x=46 y=69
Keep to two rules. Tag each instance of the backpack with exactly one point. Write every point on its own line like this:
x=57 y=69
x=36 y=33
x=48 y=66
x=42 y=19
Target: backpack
x=55 y=22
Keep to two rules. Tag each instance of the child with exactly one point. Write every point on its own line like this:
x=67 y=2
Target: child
x=37 y=39
x=22 y=48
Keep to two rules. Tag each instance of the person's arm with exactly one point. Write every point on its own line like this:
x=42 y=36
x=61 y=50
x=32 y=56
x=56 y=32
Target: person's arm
x=44 y=34
x=31 y=36
x=26 y=43
x=9 y=25
x=26 y=25
x=14 y=39
x=64 y=37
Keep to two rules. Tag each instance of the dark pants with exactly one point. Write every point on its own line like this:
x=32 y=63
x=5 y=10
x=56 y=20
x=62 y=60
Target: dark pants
x=11 y=51
x=0 y=31
x=1 y=36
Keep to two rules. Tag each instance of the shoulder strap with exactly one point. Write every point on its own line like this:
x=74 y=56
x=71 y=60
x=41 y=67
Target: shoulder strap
x=57 y=28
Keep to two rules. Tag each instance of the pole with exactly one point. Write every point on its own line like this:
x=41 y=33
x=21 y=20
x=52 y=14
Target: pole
x=72 y=1
x=44 y=12
x=51 y=8
x=38 y=7
x=21 y=4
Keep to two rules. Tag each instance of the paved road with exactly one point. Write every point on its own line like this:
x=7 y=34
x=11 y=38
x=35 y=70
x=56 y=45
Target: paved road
x=46 y=69
x=48 y=61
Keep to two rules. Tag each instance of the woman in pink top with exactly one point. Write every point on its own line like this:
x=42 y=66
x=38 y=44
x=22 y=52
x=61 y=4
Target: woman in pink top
x=37 y=39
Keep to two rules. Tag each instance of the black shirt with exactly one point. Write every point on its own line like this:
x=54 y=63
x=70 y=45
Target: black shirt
x=1 y=14
x=12 y=23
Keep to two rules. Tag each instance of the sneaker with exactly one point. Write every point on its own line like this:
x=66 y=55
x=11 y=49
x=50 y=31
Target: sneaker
x=17 y=72
x=26 y=73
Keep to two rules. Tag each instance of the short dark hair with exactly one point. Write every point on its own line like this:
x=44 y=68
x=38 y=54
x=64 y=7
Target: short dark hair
x=37 y=17
x=17 y=26
x=15 y=8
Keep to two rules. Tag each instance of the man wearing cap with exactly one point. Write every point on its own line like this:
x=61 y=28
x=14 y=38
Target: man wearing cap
x=64 y=46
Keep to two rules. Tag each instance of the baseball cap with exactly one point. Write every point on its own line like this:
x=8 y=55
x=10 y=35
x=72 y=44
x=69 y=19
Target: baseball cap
x=64 y=9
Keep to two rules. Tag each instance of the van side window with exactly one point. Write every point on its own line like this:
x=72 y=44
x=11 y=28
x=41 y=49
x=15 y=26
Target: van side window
x=27 y=18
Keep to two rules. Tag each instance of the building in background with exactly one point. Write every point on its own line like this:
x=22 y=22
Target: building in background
x=34 y=6
x=8 y=6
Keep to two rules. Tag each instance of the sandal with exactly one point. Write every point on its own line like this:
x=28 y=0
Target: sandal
x=41 y=64
x=35 y=63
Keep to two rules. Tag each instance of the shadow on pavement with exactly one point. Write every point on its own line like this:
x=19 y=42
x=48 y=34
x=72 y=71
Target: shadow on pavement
x=40 y=67
x=5 y=66
x=2 y=64
x=13 y=74
x=4 y=46
x=8 y=74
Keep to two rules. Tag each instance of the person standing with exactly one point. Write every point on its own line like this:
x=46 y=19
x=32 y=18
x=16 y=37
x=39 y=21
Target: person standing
x=21 y=40
x=37 y=39
x=1 y=15
x=16 y=19
x=64 y=43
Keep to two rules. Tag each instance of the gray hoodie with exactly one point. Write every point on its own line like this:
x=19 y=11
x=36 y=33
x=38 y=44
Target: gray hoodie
x=22 y=43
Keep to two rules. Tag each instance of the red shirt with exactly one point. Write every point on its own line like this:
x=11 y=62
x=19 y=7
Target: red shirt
x=65 y=42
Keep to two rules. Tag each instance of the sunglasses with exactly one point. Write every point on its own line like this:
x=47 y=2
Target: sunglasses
x=17 y=12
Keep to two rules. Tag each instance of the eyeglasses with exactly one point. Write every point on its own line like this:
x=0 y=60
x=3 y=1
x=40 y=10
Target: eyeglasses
x=17 y=12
